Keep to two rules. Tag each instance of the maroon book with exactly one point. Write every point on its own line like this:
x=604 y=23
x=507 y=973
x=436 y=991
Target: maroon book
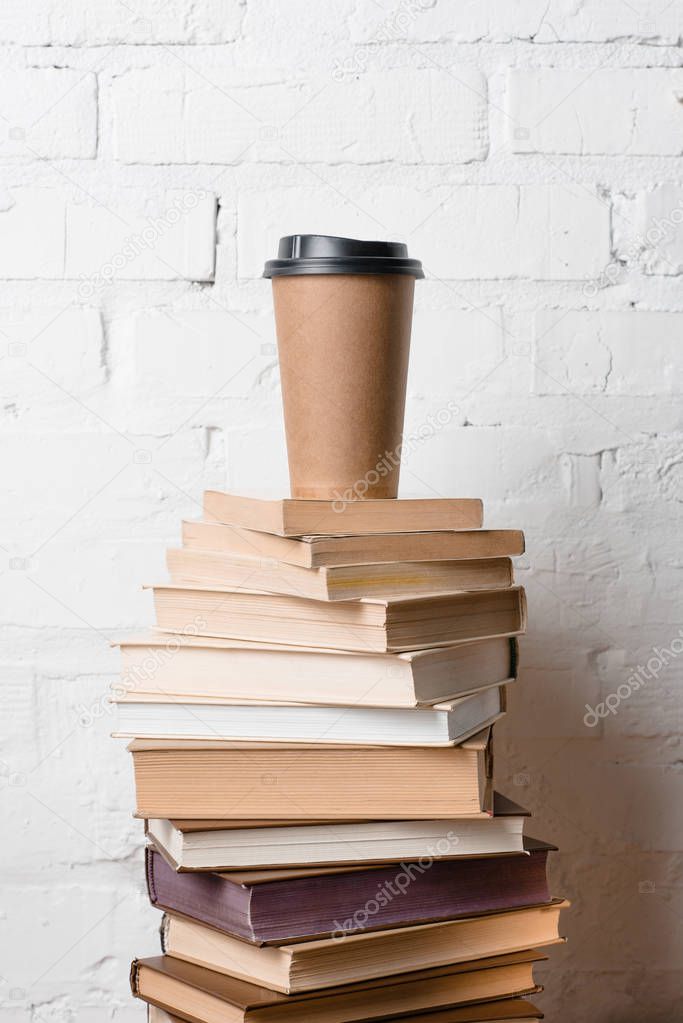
x=396 y=895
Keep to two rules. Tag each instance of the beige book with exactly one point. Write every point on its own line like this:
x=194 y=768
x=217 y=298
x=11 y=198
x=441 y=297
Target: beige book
x=194 y=779
x=371 y=624
x=204 y=996
x=292 y=517
x=350 y=582
x=160 y=664
x=364 y=549
x=329 y=962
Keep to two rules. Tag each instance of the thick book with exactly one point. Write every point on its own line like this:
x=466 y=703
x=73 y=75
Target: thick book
x=201 y=995
x=371 y=624
x=378 y=548
x=309 y=848
x=328 y=962
x=444 y=724
x=198 y=779
x=503 y=1010
x=345 y=582
x=292 y=517
x=334 y=905
x=202 y=667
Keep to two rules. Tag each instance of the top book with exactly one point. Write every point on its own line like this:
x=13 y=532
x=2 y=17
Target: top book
x=291 y=517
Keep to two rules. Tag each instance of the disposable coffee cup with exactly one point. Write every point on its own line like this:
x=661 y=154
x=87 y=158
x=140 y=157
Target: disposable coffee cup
x=343 y=316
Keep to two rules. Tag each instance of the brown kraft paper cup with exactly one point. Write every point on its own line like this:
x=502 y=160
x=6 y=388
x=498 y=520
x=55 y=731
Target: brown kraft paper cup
x=344 y=343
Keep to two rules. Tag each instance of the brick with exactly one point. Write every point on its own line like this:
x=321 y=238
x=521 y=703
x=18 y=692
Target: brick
x=200 y=353
x=98 y=22
x=172 y=238
x=605 y=20
x=466 y=344
x=246 y=463
x=377 y=24
x=543 y=232
x=320 y=29
x=45 y=235
x=648 y=232
x=619 y=353
x=427 y=115
x=50 y=351
x=514 y=465
x=48 y=114
x=631 y=111
x=417 y=21
x=32 y=234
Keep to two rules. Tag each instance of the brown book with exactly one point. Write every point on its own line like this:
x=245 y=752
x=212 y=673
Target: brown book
x=344 y=582
x=292 y=517
x=505 y=1010
x=204 y=667
x=364 y=549
x=198 y=779
x=372 y=624
x=204 y=996
x=361 y=956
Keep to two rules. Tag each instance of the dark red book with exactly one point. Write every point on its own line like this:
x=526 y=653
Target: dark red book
x=396 y=895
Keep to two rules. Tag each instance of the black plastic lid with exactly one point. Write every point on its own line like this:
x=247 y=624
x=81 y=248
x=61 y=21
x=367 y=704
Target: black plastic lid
x=327 y=254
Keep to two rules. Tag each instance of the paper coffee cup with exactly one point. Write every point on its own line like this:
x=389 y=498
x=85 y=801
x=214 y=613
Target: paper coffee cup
x=343 y=314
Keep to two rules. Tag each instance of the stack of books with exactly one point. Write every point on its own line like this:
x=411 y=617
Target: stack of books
x=311 y=726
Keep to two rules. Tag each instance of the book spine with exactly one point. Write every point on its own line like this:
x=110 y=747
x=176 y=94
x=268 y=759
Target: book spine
x=134 y=973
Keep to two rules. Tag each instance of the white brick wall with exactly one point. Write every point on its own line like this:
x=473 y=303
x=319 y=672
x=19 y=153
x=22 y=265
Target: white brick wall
x=530 y=153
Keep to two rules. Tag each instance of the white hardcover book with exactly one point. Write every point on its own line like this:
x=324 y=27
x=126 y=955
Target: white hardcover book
x=360 y=842
x=441 y=725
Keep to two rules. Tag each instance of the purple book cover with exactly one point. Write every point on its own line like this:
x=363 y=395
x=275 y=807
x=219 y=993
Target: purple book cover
x=396 y=895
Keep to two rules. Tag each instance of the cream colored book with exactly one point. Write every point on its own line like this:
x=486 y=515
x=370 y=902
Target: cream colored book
x=329 y=962
x=350 y=582
x=158 y=664
x=364 y=549
x=219 y=846
x=444 y=724
x=380 y=625
x=214 y=779
x=295 y=517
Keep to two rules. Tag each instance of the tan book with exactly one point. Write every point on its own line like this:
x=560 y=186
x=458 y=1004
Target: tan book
x=206 y=668
x=292 y=517
x=204 y=996
x=362 y=956
x=364 y=549
x=505 y=1010
x=346 y=582
x=184 y=778
x=371 y=624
